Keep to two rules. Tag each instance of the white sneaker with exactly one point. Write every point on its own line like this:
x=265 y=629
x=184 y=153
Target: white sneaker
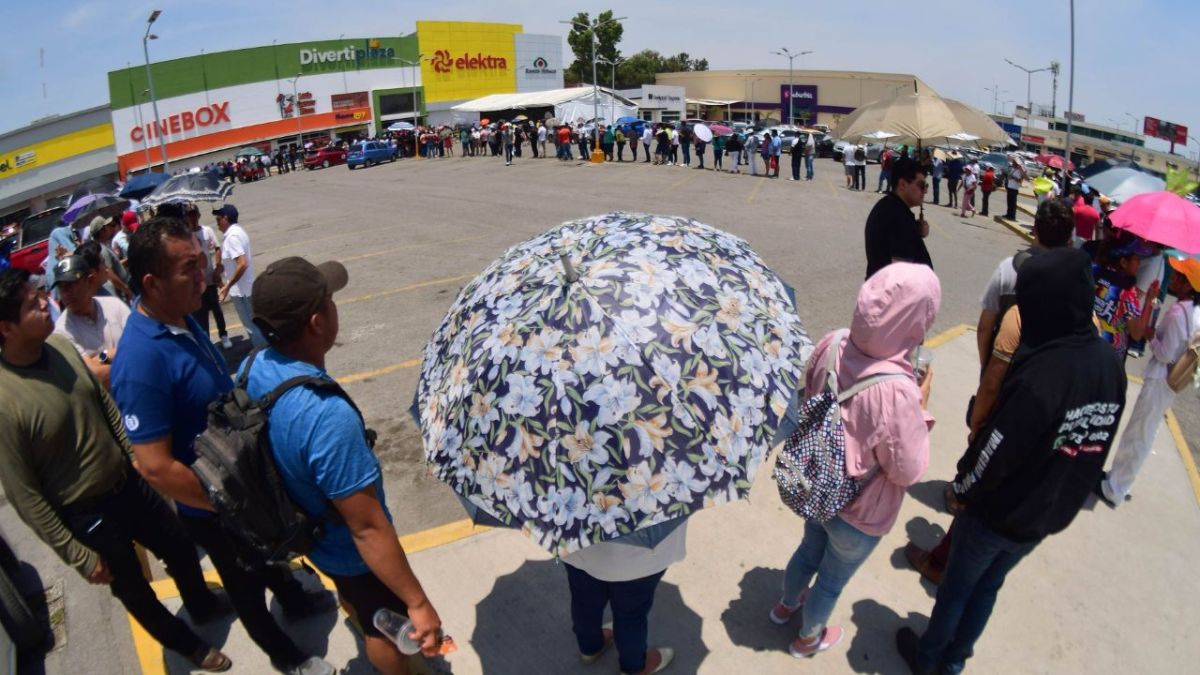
x=313 y=666
x=226 y=342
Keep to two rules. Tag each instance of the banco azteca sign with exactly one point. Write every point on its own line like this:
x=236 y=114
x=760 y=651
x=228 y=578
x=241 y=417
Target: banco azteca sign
x=541 y=67
x=444 y=62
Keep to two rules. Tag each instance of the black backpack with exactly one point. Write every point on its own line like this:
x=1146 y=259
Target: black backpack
x=859 y=154
x=236 y=467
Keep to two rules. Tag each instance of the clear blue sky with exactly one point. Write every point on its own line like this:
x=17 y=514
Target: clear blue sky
x=1131 y=57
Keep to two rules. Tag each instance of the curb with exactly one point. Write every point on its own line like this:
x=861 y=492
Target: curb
x=1016 y=229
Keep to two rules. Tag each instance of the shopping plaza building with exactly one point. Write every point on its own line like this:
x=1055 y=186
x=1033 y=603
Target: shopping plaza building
x=268 y=96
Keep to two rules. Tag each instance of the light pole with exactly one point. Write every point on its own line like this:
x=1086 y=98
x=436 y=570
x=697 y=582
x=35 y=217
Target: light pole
x=1066 y=174
x=162 y=144
x=1136 y=123
x=996 y=91
x=296 y=110
x=345 y=87
x=612 y=100
x=597 y=153
x=1028 y=82
x=413 y=64
x=791 y=57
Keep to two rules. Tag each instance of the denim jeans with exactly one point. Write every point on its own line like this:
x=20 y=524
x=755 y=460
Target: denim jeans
x=687 y=153
x=937 y=190
x=808 y=166
x=833 y=551
x=631 y=602
x=885 y=178
x=979 y=561
x=241 y=303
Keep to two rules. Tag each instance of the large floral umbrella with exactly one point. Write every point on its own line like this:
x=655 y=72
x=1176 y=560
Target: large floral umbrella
x=609 y=376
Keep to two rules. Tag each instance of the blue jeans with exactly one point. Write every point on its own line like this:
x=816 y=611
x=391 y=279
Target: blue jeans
x=246 y=314
x=979 y=561
x=631 y=602
x=833 y=551
x=687 y=153
x=885 y=178
x=808 y=166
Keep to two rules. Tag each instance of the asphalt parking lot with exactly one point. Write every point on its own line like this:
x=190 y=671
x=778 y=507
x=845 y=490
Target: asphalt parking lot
x=414 y=232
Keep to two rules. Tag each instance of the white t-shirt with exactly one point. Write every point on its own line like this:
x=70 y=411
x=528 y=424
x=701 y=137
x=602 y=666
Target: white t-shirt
x=1003 y=282
x=1171 y=338
x=208 y=246
x=848 y=154
x=541 y=134
x=237 y=245
x=91 y=337
x=613 y=561
x=1015 y=175
x=647 y=135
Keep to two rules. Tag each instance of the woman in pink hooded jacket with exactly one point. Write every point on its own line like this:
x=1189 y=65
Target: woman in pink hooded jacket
x=887 y=443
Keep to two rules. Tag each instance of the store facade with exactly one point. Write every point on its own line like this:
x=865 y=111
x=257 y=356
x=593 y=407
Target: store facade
x=319 y=91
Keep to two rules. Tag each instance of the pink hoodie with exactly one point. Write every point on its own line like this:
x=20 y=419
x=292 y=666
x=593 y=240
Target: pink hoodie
x=885 y=424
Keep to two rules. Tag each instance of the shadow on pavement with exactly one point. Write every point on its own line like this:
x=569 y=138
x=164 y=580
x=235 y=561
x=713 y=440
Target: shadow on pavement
x=234 y=355
x=930 y=494
x=873 y=646
x=746 y=619
x=927 y=535
x=524 y=626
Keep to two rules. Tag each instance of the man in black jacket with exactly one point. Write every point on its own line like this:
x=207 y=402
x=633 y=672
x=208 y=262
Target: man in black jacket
x=1030 y=470
x=893 y=233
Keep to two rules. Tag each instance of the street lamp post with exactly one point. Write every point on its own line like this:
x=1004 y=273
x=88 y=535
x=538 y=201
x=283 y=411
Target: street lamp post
x=996 y=91
x=1028 y=82
x=597 y=153
x=1066 y=175
x=791 y=57
x=162 y=144
x=612 y=100
x=296 y=111
x=416 y=110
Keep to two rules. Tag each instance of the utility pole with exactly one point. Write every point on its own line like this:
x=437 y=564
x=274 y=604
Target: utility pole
x=296 y=111
x=612 y=100
x=597 y=153
x=996 y=91
x=791 y=57
x=1066 y=175
x=162 y=144
x=1054 y=90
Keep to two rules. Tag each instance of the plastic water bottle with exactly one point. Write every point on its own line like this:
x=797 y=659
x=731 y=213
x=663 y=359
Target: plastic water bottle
x=397 y=628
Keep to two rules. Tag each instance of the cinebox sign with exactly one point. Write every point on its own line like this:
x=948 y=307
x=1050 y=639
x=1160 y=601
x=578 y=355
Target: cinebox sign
x=180 y=123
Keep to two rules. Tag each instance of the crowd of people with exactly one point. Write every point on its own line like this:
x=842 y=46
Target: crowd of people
x=116 y=370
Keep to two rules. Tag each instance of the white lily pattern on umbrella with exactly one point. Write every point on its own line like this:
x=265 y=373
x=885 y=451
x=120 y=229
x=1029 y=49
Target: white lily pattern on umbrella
x=645 y=390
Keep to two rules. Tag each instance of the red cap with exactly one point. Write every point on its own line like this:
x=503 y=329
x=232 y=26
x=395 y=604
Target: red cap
x=129 y=218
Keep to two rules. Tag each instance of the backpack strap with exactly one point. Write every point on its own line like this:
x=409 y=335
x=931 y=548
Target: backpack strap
x=272 y=397
x=867 y=383
x=831 y=360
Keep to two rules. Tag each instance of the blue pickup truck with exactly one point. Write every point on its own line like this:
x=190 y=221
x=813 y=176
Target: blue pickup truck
x=366 y=153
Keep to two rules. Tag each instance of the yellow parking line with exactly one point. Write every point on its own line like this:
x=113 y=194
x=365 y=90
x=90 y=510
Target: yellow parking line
x=948 y=335
x=753 y=192
x=1185 y=453
x=294 y=244
x=359 y=377
x=407 y=247
x=371 y=296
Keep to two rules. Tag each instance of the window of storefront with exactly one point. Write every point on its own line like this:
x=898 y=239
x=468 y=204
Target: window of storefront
x=671 y=116
x=396 y=104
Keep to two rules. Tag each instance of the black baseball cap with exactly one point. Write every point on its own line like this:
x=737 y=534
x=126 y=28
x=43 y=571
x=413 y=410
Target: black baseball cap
x=229 y=211
x=69 y=269
x=289 y=292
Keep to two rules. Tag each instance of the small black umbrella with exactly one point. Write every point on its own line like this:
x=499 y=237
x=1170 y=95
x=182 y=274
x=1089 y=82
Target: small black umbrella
x=202 y=186
x=143 y=184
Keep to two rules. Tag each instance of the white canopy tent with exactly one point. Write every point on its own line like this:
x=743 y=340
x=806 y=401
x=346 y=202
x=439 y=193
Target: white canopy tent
x=569 y=104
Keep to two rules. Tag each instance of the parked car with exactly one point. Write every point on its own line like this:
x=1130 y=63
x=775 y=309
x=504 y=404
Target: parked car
x=366 y=153
x=250 y=171
x=825 y=146
x=997 y=160
x=323 y=158
x=874 y=150
x=30 y=251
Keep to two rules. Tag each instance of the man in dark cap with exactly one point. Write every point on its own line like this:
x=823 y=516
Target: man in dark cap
x=1029 y=471
x=324 y=454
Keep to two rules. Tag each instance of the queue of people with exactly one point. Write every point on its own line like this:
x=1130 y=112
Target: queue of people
x=114 y=396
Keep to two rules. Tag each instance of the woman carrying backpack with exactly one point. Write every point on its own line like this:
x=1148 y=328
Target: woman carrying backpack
x=886 y=443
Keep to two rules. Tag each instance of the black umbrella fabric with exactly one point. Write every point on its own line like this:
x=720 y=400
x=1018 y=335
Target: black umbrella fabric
x=143 y=184
x=203 y=186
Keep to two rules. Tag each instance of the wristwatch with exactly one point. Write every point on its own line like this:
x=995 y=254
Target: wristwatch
x=104 y=357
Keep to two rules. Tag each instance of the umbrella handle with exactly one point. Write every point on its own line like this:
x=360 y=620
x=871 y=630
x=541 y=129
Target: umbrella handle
x=571 y=272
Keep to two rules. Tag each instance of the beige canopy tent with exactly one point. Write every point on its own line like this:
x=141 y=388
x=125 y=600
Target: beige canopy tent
x=921 y=118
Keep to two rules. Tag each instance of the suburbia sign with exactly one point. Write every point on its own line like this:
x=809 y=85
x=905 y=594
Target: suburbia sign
x=206 y=116
x=443 y=62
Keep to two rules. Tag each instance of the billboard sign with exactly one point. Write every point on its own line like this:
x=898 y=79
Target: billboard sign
x=1167 y=131
x=802 y=102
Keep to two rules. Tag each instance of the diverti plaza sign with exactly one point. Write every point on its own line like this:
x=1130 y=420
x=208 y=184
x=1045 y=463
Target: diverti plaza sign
x=369 y=50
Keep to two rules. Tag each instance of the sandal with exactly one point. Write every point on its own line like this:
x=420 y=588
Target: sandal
x=212 y=661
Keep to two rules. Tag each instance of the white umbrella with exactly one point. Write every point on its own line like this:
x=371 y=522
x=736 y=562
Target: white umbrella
x=1122 y=182
x=702 y=133
x=401 y=126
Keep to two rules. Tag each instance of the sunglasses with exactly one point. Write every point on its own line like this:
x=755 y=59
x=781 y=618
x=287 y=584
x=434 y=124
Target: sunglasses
x=922 y=185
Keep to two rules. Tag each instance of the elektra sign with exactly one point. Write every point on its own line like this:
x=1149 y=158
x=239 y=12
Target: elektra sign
x=206 y=116
x=443 y=62
x=370 y=50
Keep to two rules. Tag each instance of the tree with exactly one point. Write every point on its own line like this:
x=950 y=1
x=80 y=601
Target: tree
x=580 y=40
x=642 y=67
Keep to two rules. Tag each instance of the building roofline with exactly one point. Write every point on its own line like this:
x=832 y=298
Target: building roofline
x=51 y=119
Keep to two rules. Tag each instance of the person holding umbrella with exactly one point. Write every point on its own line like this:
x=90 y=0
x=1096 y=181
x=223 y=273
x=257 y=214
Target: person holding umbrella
x=886 y=442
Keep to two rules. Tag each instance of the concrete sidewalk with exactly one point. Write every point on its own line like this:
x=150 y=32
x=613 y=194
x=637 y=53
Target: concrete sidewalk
x=1114 y=593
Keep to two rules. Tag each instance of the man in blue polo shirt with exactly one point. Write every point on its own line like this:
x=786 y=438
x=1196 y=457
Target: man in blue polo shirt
x=324 y=456
x=165 y=374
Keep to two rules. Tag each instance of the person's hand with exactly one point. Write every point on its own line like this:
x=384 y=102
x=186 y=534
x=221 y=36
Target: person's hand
x=923 y=226
x=926 y=384
x=427 y=627
x=100 y=575
x=1152 y=292
x=223 y=293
